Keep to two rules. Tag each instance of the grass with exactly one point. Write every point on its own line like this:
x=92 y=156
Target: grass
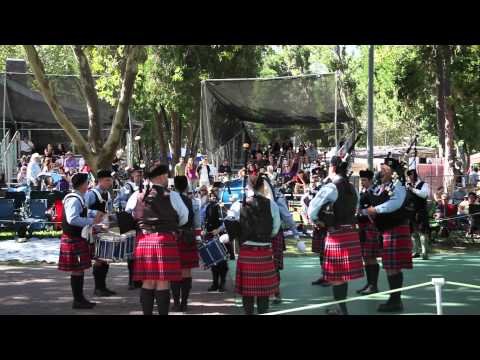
x=41 y=234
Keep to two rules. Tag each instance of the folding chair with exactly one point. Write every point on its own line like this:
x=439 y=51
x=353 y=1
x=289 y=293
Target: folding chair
x=19 y=198
x=38 y=215
x=7 y=213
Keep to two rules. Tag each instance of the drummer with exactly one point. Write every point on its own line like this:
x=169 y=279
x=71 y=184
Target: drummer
x=132 y=185
x=156 y=256
x=98 y=201
x=75 y=255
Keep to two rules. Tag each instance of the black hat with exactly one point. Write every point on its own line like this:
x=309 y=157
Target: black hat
x=181 y=183
x=394 y=164
x=368 y=174
x=335 y=160
x=79 y=179
x=104 y=174
x=411 y=172
x=157 y=171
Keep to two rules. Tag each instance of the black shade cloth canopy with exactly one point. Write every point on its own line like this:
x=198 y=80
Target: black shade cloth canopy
x=307 y=100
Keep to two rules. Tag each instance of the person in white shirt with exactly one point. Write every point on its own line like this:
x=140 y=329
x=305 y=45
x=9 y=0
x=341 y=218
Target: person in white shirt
x=204 y=173
x=33 y=170
x=26 y=146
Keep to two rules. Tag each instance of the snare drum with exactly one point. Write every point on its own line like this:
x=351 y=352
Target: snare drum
x=114 y=247
x=212 y=252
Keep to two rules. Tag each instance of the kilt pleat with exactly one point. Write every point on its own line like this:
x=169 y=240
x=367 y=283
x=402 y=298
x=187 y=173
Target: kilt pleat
x=75 y=254
x=397 y=248
x=156 y=257
x=343 y=257
x=256 y=274
x=371 y=246
x=278 y=243
x=188 y=254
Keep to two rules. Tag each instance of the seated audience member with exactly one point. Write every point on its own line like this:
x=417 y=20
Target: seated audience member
x=60 y=150
x=22 y=176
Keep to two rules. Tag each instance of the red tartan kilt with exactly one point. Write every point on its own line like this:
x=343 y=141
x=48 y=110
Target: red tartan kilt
x=188 y=254
x=156 y=257
x=318 y=240
x=342 y=257
x=75 y=254
x=371 y=247
x=256 y=274
x=397 y=248
x=278 y=243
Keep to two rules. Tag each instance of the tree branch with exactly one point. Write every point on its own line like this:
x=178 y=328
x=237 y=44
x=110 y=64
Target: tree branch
x=134 y=57
x=54 y=105
x=90 y=93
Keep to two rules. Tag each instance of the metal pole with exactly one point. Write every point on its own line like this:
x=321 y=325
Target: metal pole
x=370 y=108
x=4 y=100
x=438 y=283
x=335 y=114
x=130 y=152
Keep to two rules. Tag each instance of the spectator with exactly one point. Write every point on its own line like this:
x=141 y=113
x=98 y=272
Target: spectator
x=276 y=149
x=47 y=165
x=458 y=195
x=70 y=162
x=445 y=210
x=272 y=175
x=301 y=151
x=474 y=176
x=260 y=161
x=49 y=151
x=26 y=146
x=312 y=153
x=22 y=176
x=180 y=167
x=33 y=169
x=204 y=172
x=473 y=209
x=225 y=171
x=252 y=169
x=23 y=161
x=191 y=174
x=60 y=151
x=271 y=161
x=64 y=184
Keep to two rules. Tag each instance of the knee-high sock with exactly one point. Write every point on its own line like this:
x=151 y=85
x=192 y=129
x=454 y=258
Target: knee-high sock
x=340 y=293
x=104 y=275
x=223 y=269
x=97 y=276
x=395 y=282
x=147 y=299
x=130 y=270
x=248 y=304
x=372 y=274
x=262 y=304
x=163 y=301
x=76 y=282
x=176 y=286
x=186 y=286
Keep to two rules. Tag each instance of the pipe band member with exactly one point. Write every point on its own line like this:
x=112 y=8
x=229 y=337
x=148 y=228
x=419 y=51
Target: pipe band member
x=256 y=276
x=369 y=235
x=75 y=254
x=188 y=237
x=319 y=233
x=334 y=207
x=417 y=195
x=215 y=226
x=156 y=255
x=388 y=212
x=99 y=203
x=126 y=192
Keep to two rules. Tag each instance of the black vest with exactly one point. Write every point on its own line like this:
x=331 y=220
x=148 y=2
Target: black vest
x=71 y=230
x=158 y=214
x=414 y=202
x=256 y=223
x=390 y=220
x=188 y=203
x=342 y=211
x=100 y=205
x=365 y=203
x=213 y=216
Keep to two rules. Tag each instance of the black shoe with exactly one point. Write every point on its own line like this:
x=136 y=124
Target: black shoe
x=359 y=291
x=183 y=307
x=131 y=286
x=369 y=290
x=424 y=256
x=416 y=255
x=221 y=288
x=277 y=300
x=390 y=306
x=321 y=281
x=334 y=311
x=214 y=287
x=103 y=293
x=176 y=308
x=84 y=304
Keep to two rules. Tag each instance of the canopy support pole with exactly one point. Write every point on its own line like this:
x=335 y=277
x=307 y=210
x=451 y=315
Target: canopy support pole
x=4 y=100
x=335 y=114
x=370 y=108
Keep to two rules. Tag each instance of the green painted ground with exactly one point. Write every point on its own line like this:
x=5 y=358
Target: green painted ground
x=299 y=272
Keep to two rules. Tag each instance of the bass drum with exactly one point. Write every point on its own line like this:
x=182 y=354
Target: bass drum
x=230 y=188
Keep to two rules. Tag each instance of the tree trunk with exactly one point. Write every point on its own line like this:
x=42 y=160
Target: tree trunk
x=440 y=101
x=176 y=136
x=88 y=88
x=160 y=130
